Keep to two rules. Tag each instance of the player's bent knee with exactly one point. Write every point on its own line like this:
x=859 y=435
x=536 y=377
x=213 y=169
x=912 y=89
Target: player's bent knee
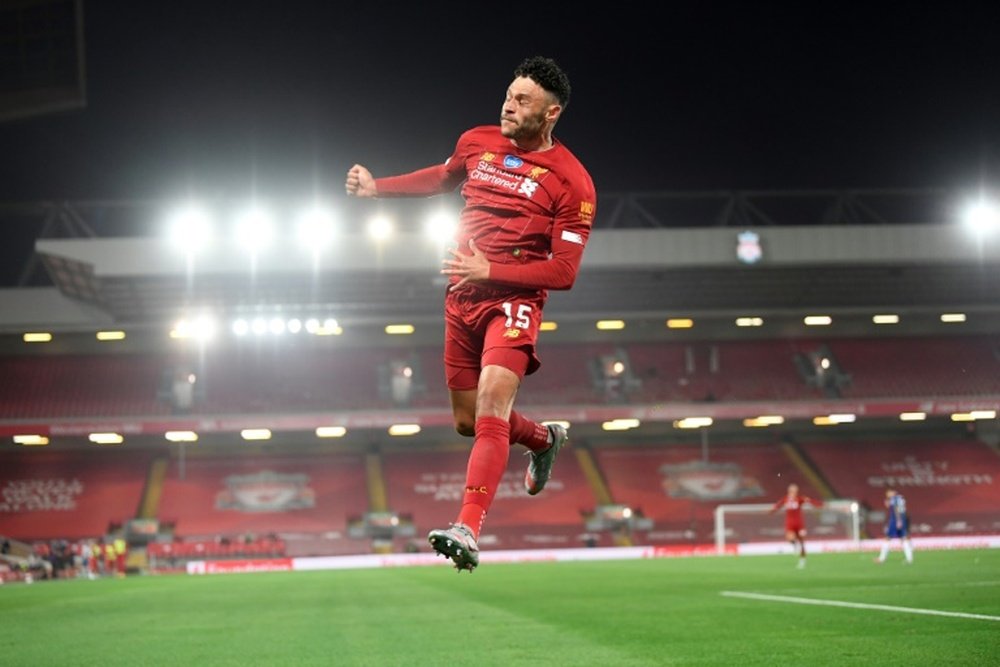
x=465 y=429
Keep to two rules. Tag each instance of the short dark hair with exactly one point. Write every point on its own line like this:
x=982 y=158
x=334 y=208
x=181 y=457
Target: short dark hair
x=547 y=74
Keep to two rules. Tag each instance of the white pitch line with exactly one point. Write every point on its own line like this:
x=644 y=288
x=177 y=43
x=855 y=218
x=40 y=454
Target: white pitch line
x=856 y=605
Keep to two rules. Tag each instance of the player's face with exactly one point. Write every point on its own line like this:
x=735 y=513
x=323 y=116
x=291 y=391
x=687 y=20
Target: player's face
x=793 y=490
x=526 y=110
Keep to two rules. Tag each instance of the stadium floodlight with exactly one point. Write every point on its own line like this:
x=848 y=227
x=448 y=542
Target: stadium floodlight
x=680 y=323
x=181 y=436
x=316 y=228
x=190 y=228
x=294 y=325
x=110 y=335
x=330 y=431
x=404 y=429
x=843 y=418
x=763 y=421
x=982 y=217
x=749 y=321
x=952 y=317
x=817 y=320
x=106 y=438
x=201 y=328
x=623 y=424
x=399 y=329
x=610 y=325
x=693 y=422
x=548 y=325
x=330 y=328
x=31 y=440
x=912 y=416
x=312 y=325
x=380 y=228
x=254 y=230
x=256 y=434
x=241 y=327
x=276 y=326
x=259 y=326
x=887 y=318
x=37 y=337
x=441 y=226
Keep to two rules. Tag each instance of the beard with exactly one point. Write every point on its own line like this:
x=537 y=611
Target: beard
x=528 y=128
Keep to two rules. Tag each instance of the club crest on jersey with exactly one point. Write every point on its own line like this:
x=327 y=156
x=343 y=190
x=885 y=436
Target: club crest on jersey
x=536 y=172
x=512 y=162
x=511 y=333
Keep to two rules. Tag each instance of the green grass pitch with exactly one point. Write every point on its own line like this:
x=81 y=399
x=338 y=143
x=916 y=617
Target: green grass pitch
x=608 y=614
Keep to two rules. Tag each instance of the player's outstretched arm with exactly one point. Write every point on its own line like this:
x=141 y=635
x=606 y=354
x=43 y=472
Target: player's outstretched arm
x=360 y=182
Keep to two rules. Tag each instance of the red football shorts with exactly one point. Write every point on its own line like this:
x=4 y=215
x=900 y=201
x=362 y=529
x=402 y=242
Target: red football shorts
x=795 y=528
x=486 y=327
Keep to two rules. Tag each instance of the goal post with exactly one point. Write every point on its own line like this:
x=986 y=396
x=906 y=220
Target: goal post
x=838 y=519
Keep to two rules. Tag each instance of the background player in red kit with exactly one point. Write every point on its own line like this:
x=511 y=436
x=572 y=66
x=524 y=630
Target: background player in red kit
x=795 y=525
x=529 y=205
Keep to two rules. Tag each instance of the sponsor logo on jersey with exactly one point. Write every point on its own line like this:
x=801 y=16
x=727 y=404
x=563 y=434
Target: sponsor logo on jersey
x=512 y=333
x=528 y=188
x=512 y=162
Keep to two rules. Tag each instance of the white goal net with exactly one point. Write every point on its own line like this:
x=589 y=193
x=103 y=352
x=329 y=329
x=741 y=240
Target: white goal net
x=748 y=522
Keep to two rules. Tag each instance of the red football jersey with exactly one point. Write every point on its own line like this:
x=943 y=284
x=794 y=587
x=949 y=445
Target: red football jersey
x=793 y=508
x=521 y=207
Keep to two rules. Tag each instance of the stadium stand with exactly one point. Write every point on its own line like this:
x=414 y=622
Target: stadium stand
x=303 y=380
x=69 y=495
x=305 y=500
x=926 y=366
x=678 y=489
x=78 y=494
x=80 y=386
x=429 y=486
x=951 y=487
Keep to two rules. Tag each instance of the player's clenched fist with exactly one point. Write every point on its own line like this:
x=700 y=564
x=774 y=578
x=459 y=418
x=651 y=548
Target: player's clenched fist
x=360 y=183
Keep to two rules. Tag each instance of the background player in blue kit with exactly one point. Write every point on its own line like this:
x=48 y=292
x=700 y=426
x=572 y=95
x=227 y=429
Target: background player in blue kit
x=897 y=526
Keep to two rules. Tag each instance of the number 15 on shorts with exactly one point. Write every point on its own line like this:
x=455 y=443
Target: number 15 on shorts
x=520 y=319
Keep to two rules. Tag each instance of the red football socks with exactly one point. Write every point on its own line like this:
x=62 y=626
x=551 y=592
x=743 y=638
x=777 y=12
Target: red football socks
x=487 y=463
x=525 y=432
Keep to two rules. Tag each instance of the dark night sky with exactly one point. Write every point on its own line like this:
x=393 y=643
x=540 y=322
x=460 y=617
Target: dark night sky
x=224 y=98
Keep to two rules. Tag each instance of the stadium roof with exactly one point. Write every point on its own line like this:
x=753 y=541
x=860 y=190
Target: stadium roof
x=645 y=262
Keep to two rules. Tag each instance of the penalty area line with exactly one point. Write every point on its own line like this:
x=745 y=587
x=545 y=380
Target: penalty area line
x=855 y=605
